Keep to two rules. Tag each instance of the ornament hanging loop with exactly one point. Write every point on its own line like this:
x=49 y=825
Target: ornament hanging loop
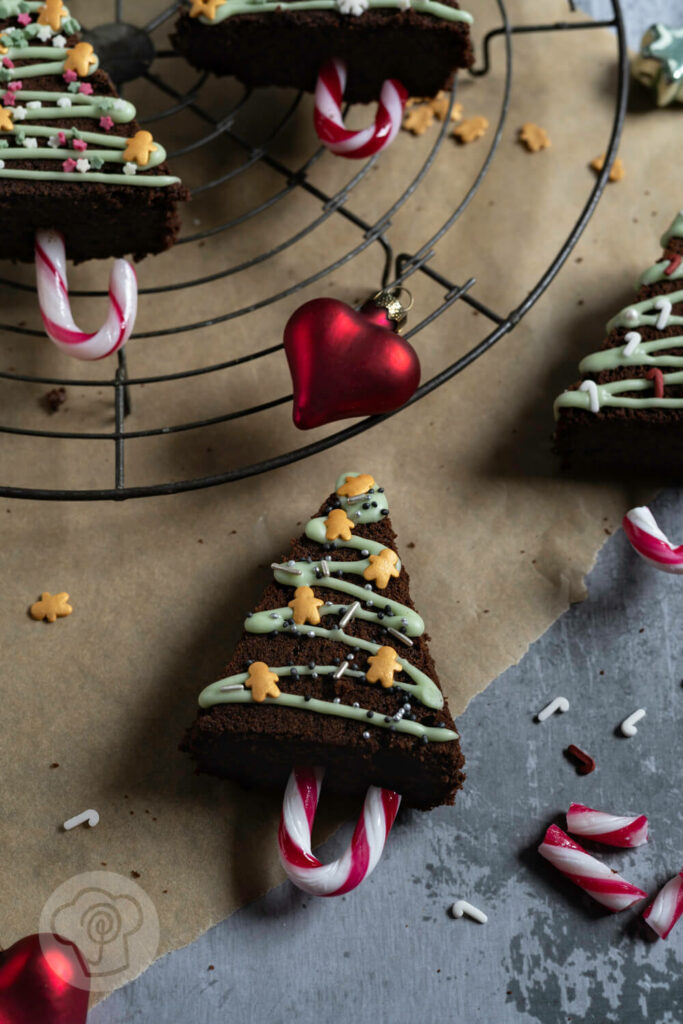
x=389 y=300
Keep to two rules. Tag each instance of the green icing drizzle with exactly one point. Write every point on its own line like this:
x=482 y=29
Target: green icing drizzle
x=675 y=230
x=642 y=355
x=50 y=60
x=610 y=395
x=212 y=695
x=437 y=10
x=640 y=316
x=657 y=273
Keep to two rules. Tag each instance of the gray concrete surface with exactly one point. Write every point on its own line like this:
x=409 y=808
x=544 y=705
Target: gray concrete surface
x=390 y=953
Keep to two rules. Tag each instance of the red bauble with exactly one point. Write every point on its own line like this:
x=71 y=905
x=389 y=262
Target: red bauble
x=35 y=982
x=346 y=363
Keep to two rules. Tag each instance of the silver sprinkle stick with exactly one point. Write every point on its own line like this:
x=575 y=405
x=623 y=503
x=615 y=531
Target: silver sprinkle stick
x=358 y=497
x=324 y=567
x=349 y=614
x=286 y=568
x=231 y=687
x=341 y=670
x=400 y=636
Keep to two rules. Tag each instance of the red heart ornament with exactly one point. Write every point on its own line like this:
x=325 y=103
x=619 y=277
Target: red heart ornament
x=43 y=980
x=347 y=363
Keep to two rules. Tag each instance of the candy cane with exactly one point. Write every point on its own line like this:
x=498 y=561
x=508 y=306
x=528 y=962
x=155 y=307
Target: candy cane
x=649 y=541
x=599 y=881
x=611 y=829
x=329 y=123
x=666 y=907
x=362 y=854
x=55 y=309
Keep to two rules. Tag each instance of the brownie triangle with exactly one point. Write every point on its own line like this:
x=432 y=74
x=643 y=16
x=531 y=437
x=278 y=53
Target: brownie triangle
x=72 y=154
x=333 y=669
x=626 y=414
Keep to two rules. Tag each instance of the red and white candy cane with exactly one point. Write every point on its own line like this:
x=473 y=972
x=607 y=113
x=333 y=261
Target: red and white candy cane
x=55 y=308
x=610 y=829
x=361 y=856
x=666 y=907
x=649 y=541
x=329 y=123
x=599 y=881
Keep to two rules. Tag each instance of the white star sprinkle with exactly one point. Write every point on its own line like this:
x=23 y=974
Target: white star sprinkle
x=130 y=168
x=19 y=113
x=34 y=105
x=53 y=142
x=59 y=41
x=31 y=143
x=44 y=33
x=64 y=102
x=2 y=164
x=82 y=165
x=355 y=7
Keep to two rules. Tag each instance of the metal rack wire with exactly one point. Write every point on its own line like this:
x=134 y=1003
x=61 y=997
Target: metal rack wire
x=123 y=386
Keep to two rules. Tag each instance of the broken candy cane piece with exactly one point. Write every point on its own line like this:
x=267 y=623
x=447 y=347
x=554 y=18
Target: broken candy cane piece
x=604 y=885
x=611 y=829
x=666 y=907
x=649 y=541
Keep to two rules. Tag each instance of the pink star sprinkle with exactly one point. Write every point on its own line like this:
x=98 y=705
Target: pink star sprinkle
x=24 y=19
x=15 y=86
x=106 y=123
x=80 y=144
x=69 y=76
x=69 y=165
x=61 y=137
x=7 y=62
x=86 y=88
x=9 y=99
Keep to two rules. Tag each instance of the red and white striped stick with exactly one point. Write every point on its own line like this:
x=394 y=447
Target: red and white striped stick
x=611 y=829
x=329 y=123
x=649 y=541
x=666 y=907
x=361 y=856
x=55 y=308
x=599 y=881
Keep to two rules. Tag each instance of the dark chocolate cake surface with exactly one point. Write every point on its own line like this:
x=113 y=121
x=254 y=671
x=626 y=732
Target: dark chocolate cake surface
x=334 y=670
x=287 y=44
x=72 y=155
x=625 y=417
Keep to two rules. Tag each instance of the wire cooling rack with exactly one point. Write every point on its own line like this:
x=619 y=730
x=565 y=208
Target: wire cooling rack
x=118 y=42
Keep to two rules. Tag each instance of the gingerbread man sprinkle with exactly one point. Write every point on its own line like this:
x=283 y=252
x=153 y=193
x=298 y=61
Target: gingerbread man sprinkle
x=206 y=7
x=617 y=171
x=338 y=525
x=52 y=13
x=6 y=122
x=355 y=485
x=51 y=607
x=80 y=59
x=262 y=682
x=534 y=137
x=418 y=120
x=305 y=606
x=471 y=129
x=384 y=666
x=382 y=567
x=139 y=148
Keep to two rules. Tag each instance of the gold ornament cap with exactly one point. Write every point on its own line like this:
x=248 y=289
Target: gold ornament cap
x=389 y=300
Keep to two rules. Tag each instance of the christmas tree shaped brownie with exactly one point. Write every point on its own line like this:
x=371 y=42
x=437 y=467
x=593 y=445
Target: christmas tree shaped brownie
x=626 y=415
x=334 y=669
x=72 y=156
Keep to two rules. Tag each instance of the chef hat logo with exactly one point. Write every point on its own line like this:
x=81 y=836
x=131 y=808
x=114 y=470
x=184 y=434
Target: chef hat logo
x=111 y=920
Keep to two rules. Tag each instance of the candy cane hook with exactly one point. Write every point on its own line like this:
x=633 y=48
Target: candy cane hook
x=361 y=856
x=55 y=308
x=329 y=123
x=651 y=544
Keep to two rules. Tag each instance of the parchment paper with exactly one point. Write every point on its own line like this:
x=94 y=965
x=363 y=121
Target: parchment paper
x=159 y=587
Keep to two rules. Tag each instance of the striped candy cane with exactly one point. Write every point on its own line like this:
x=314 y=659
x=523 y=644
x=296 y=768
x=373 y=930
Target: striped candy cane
x=599 y=881
x=329 y=123
x=611 y=829
x=666 y=907
x=55 y=309
x=649 y=541
x=361 y=856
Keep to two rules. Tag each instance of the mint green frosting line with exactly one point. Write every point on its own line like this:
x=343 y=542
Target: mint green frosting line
x=37 y=70
x=266 y=621
x=12 y=8
x=86 y=106
x=211 y=696
x=610 y=395
x=645 y=354
x=644 y=319
x=48 y=153
x=317 y=531
x=656 y=273
x=432 y=7
x=675 y=230
x=151 y=180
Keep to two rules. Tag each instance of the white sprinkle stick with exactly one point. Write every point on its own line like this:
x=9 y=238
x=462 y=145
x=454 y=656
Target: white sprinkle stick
x=231 y=687
x=461 y=907
x=92 y=818
x=286 y=568
x=349 y=614
x=400 y=636
x=341 y=670
x=628 y=726
x=559 y=704
x=358 y=497
x=633 y=340
x=665 y=306
x=594 y=399
x=324 y=567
